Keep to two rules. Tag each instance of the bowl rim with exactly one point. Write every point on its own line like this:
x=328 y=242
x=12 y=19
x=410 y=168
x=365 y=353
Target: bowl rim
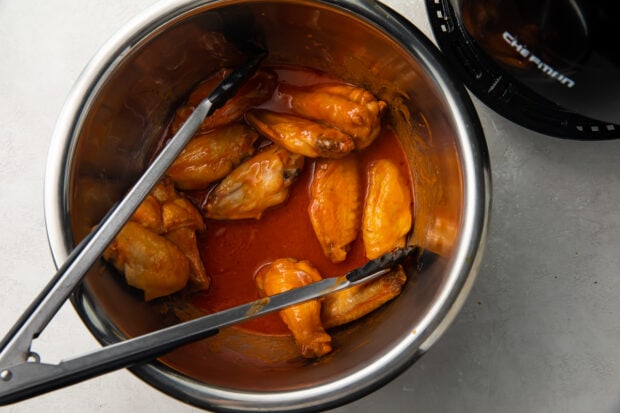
x=463 y=267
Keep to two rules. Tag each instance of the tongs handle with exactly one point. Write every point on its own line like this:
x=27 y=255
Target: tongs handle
x=15 y=347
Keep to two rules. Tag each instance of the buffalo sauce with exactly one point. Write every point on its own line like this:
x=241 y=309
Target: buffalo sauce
x=234 y=250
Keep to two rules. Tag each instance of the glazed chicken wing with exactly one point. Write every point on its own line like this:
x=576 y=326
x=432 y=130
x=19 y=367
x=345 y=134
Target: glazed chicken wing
x=336 y=205
x=149 y=261
x=256 y=90
x=211 y=156
x=257 y=184
x=300 y=135
x=353 y=110
x=303 y=320
x=164 y=225
x=348 y=305
x=181 y=213
x=185 y=239
x=387 y=210
x=175 y=210
x=180 y=221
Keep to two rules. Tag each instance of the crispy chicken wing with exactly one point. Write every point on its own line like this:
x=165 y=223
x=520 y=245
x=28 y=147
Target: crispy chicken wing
x=149 y=261
x=348 y=305
x=256 y=90
x=257 y=184
x=387 y=210
x=336 y=205
x=351 y=109
x=300 y=135
x=304 y=320
x=211 y=156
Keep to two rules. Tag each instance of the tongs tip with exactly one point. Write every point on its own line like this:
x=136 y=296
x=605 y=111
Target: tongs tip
x=382 y=263
x=229 y=86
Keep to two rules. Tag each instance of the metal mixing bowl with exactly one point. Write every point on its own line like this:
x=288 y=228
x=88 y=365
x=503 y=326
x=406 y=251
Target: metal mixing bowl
x=118 y=110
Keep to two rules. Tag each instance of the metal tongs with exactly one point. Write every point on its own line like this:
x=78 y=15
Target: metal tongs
x=23 y=375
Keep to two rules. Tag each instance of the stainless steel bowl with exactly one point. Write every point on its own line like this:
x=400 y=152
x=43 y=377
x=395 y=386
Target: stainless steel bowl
x=118 y=110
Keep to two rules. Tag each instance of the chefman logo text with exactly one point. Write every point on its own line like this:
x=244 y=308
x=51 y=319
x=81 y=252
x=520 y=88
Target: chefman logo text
x=542 y=66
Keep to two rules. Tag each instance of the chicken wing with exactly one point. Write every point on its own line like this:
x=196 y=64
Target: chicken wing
x=335 y=207
x=300 y=135
x=170 y=220
x=175 y=210
x=164 y=191
x=387 y=210
x=180 y=221
x=149 y=261
x=149 y=215
x=304 y=320
x=351 y=109
x=185 y=239
x=348 y=305
x=211 y=156
x=256 y=90
x=257 y=184
x=181 y=213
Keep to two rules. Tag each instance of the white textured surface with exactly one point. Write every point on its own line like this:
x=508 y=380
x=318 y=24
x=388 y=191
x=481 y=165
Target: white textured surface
x=540 y=331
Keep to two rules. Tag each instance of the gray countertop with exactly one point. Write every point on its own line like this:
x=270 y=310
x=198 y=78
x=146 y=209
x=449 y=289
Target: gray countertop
x=540 y=331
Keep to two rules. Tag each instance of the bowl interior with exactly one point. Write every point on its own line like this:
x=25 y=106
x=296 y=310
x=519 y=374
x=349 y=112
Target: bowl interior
x=127 y=110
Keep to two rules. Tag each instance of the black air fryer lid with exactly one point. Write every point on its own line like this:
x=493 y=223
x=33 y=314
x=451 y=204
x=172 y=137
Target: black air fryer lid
x=552 y=66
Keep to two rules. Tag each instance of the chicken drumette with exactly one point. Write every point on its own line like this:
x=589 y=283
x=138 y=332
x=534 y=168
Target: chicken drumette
x=348 y=305
x=303 y=320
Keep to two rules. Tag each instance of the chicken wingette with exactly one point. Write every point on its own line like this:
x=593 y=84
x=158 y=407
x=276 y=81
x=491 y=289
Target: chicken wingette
x=387 y=216
x=348 y=305
x=258 y=183
x=210 y=156
x=335 y=207
x=300 y=135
